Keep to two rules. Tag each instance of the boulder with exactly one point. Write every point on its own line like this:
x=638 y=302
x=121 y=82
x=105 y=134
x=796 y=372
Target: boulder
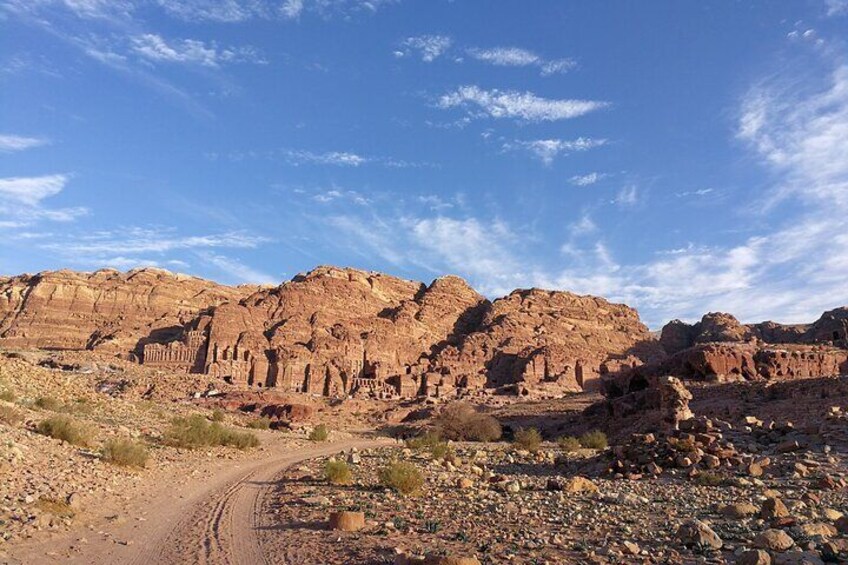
x=697 y=533
x=347 y=521
x=773 y=540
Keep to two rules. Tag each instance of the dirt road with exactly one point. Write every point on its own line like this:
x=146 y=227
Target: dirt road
x=208 y=522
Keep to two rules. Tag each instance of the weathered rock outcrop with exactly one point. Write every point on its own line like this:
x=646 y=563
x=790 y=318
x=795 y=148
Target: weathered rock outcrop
x=336 y=331
x=539 y=339
x=105 y=310
x=676 y=336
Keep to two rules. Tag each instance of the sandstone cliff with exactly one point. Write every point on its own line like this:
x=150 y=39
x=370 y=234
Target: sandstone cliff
x=105 y=310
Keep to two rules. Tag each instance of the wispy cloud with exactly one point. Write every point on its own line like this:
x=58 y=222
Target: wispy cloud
x=21 y=201
x=517 y=57
x=338 y=158
x=836 y=7
x=136 y=240
x=518 y=105
x=627 y=196
x=234 y=11
x=587 y=179
x=428 y=47
x=547 y=150
x=9 y=143
x=191 y=51
x=235 y=270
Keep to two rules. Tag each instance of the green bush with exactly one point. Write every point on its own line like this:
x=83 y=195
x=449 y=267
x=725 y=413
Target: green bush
x=337 y=473
x=461 y=422
x=217 y=415
x=594 y=440
x=10 y=415
x=402 y=477
x=569 y=443
x=528 y=438
x=48 y=403
x=195 y=431
x=65 y=429
x=125 y=452
x=319 y=433
x=262 y=423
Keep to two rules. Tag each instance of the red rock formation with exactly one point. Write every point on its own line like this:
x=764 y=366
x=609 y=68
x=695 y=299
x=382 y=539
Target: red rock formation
x=105 y=310
x=549 y=340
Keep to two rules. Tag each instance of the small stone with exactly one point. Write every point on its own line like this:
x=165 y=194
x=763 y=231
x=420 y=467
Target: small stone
x=774 y=540
x=697 y=533
x=739 y=510
x=632 y=548
x=773 y=508
x=754 y=557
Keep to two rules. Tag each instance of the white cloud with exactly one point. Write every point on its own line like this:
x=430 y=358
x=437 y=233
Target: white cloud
x=191 y=51
x=30 y=191
x=9 y=143
x=21 y=201
x=291 y=9
x=428 y=47
x=137 y=240
x=339 y=158
x=519 y=105
x=234 y=11
x=517 y=57
x=237 y=271
x=587 y=179
x=548 y=149
x=836 y=7
x=627 y=196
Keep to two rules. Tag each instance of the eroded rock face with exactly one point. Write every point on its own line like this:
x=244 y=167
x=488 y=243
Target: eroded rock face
x=338 y=331
x=106 y=310
x=542 y=339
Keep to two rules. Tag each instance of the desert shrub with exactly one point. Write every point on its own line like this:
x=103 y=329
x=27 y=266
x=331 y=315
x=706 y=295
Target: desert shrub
x=595 y=439
x=528 y=438
x=262 y=423
x=217 y=415
x=425 y=441
x=319 y=433
x=709 y=479
x=239 y=440
x=460 y=421
x=48 y=403
x=8 y=395
x=125 y=452
x=65 y=429
x=10 y=415
x=195 y=431
x=569 y=443
x=441 y=450
x=58 y=508
x=402 y=477
x=337 y=473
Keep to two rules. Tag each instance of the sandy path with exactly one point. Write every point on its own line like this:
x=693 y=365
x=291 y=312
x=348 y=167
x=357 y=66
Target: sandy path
x=212 y=521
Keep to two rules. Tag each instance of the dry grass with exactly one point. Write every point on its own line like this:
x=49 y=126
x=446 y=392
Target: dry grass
x=66 y=429
x=48 y=403
x=10 y=415
x=320 y=433
x=402 y=477
x=569 y=444
x=196 y=431
x=461 y=422
x=338 y=473
x=528 y=439
x=594 y=440
x=126 y=453
x=262 y=423
x=58 y=508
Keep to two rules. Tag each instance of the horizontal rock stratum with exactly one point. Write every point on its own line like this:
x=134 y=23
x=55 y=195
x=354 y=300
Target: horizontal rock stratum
x=335 y=331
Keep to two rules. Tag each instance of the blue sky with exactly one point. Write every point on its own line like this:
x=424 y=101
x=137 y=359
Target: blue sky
x=681 y=157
